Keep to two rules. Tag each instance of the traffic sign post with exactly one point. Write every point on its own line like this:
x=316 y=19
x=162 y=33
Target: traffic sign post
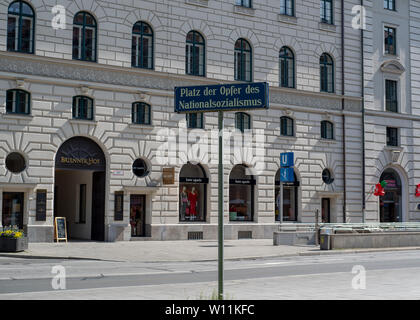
x=220 y=98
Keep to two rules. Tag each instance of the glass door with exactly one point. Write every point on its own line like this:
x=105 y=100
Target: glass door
x=12 y=211
x=138 y=215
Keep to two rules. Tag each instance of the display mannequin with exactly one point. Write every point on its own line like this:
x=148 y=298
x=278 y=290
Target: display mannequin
x=183 y=202
x=192 y=198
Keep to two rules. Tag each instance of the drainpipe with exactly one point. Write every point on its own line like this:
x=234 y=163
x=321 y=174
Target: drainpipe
x=343 y=116
x=363 y=119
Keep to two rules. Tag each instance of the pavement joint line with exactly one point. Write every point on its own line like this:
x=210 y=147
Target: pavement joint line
x=302 y=253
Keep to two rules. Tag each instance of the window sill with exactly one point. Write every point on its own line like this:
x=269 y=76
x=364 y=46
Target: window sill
x=244 y=10
x=287 y=19
x=287 y=137
x=140 y=126
x=17 y=116
x=330 y=141
x=393 y=148
x=200 y=3
x=327 y=27
x=82 y=121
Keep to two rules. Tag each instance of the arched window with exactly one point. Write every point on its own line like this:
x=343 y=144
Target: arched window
x=195 y=54
x=286 y=126
x=84 y=37
x=327 y=130
x=195 y=120
x=241 y=194
x=242 y=121
x=141 y=113
x=243 y=60
x=18 y=101
x=192 y=193
x=326 y=65
x=287 y=68
x=142 y=46
x=290 y=198
x=20 y=27
x=390 y=204
x=82 y=108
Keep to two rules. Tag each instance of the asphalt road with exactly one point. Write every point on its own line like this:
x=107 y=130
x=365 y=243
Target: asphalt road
x=389 y=275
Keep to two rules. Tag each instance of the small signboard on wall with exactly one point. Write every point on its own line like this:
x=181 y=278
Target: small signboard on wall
x=168 y=176
x=60 y=229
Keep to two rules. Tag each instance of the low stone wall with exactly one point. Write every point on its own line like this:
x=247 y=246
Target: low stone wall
x=371 y=240
x=293 y=238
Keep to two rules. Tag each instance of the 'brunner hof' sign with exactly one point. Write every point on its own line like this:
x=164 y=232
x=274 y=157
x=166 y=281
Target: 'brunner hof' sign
x=225 y=97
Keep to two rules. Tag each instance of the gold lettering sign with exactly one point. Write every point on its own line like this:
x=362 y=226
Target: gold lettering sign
x=80 y=161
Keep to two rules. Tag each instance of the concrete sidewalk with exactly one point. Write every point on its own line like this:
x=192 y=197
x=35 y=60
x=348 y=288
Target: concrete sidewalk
x=171 y=251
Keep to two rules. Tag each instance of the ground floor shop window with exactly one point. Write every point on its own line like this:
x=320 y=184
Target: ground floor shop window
x=192 y=193
x=290 y=199
x=241 y=195
x=12 y=211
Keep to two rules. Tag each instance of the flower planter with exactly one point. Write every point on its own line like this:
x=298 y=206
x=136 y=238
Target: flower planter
x=13 y=245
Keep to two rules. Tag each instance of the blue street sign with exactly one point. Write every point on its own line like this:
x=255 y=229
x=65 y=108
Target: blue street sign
x=287 y=175
x=287 y=159
x=224 y=97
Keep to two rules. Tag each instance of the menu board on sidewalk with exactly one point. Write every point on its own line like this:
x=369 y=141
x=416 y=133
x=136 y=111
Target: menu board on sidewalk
x=60 y=231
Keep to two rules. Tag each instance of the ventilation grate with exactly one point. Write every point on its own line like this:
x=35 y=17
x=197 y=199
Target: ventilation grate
x=198 y=235
x=244 y=234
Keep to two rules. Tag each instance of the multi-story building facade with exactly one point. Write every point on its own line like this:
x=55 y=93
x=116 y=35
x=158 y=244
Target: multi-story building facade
x=391 y=116
x=88 y=127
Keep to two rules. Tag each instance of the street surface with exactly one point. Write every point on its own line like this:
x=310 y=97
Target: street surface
x=389 y=275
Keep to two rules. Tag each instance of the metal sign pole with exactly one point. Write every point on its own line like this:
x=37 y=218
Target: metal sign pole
x=281 y=203
x=221 y=215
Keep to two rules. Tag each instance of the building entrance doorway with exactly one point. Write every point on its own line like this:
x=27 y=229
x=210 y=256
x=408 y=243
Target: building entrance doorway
x=326 y=210
x=390 y=203
x=138 y=215
x=79 y=191
x=12 y=211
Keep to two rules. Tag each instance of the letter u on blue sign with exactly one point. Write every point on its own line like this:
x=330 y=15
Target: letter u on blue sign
x=286 y=159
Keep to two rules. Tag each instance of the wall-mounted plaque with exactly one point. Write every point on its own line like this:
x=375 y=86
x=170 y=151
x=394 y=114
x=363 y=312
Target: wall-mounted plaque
x=119 y=206
x=168 y=176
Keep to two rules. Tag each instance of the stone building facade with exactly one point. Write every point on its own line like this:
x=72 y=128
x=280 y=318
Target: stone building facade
x=103 y=171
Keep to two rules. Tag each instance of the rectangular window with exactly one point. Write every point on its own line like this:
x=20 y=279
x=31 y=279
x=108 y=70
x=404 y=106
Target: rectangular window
x=195 y=120
x=82 y=204
x=244 y=3
x=391 y=96
x=392 y=137
x=287 y=7
x=327 y=11
x=389 y=4
x=390 y=39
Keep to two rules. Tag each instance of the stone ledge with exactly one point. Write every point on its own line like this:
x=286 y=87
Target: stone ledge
x=244 y=10
x=81 y=121
x=140 y=126
x=327 y=27
x=201 y=3
x=17 y=116
x=287 y=19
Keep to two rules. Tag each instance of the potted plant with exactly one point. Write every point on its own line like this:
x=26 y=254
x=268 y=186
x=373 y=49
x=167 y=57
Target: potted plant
x=13 y=241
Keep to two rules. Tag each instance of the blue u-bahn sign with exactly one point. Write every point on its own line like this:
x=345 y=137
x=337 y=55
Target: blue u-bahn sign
x=225 y=97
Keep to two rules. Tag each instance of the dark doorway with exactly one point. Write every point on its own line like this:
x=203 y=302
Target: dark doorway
x=12 y=211
x=390 y=203
x=98 y=206
x=326 y=210
x=138 y=215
